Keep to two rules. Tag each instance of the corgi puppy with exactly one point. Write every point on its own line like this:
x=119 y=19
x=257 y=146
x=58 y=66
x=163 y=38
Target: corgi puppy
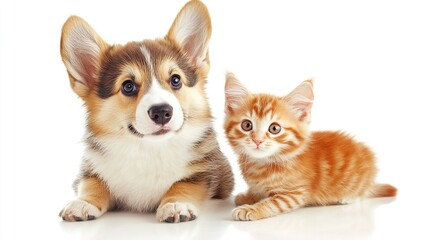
x=150 y=143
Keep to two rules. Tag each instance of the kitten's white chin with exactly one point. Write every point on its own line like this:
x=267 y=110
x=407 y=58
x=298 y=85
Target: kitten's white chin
x=258 y=153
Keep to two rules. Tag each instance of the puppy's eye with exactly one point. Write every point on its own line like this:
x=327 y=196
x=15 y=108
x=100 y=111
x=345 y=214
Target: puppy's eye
x=274 y=128
x=175 y=82
x=129 y=88
x=246 y=125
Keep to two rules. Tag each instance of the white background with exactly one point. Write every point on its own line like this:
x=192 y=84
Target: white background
x=369 y=59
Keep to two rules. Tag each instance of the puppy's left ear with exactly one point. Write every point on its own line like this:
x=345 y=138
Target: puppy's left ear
x=191 y=31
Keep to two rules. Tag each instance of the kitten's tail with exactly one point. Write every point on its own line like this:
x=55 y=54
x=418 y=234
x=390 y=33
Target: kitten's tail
x=383 y=190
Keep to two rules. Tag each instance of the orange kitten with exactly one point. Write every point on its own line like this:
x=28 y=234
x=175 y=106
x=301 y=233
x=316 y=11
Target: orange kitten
x=285 y=165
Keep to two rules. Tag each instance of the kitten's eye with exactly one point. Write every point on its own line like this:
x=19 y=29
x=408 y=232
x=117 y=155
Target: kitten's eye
x=274 y=128
x=129 y=88
x=175 y=82
x=246 y=125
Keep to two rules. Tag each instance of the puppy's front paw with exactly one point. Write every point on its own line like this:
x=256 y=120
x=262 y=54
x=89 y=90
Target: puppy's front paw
x=245 y=213
x=176 y=212
x=79 y=210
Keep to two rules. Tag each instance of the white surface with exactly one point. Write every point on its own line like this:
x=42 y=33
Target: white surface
x=370 y=63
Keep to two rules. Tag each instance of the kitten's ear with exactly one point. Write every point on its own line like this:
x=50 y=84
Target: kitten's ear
x=301 y=100
x=81 y=51
x=235 y=93
x=191 y=31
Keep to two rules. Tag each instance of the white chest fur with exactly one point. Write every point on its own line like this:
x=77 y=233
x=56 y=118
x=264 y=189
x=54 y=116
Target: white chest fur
x=138 y=172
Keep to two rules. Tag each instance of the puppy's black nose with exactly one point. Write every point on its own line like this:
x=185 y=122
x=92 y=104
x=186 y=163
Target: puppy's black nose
x=160 y=114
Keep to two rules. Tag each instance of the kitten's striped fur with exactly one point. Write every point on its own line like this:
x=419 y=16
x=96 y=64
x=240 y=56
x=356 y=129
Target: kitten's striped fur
x=293 y=167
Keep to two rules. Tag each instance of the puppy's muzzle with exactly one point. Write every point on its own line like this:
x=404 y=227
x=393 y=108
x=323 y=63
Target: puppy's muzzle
x=160 y=114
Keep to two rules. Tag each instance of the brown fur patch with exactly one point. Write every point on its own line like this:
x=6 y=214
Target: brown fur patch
x=116 y=58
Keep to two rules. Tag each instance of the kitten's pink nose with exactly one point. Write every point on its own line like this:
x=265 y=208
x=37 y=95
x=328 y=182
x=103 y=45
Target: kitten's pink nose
x=257 y=142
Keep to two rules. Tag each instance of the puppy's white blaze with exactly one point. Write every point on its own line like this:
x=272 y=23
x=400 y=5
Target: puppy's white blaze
x=148 y=58
x=155 y=96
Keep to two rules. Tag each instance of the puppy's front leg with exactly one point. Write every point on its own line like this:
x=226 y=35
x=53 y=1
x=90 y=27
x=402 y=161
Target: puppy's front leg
x=93 y=200
x=182 y=201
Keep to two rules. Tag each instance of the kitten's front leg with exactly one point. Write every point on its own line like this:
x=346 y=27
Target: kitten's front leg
x=246 y=198
x=274 y=205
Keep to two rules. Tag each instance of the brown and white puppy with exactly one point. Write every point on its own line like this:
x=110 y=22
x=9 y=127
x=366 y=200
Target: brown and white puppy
x=150 y=142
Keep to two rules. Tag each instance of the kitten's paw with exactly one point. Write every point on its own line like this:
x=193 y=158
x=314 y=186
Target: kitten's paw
x=346 y=201
x=245 y=213
x=79 y=210
x=176 y=212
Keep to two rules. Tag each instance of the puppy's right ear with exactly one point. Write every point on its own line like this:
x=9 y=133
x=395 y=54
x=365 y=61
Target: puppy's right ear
x=81 y=51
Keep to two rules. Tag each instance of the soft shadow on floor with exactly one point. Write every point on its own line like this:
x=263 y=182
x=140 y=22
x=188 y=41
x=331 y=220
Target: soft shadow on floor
x=352 y=221
x=211 y=224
